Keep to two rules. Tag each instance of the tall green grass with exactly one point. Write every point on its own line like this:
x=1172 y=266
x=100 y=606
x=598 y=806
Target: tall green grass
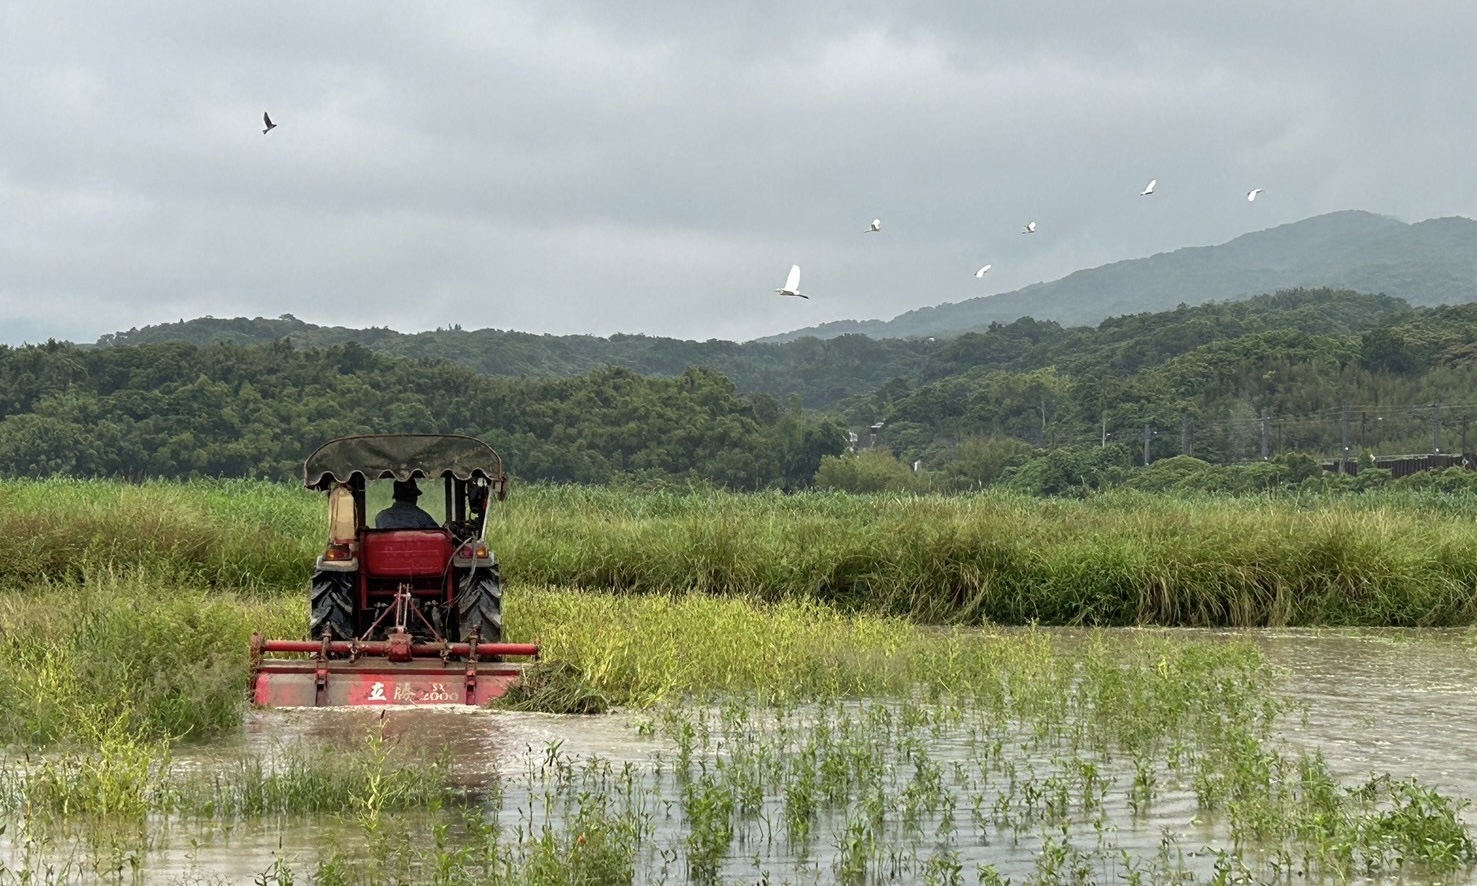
x=141 y=660
x=1113 y=560
x=1123 y=558
x=237 y=534
x=647 y=649
x=140 y=652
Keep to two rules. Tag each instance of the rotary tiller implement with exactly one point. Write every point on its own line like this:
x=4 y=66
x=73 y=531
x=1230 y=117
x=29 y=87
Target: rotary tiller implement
x=396 y=670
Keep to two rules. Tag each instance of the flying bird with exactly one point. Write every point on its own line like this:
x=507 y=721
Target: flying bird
x=1251 y=195
x=1148 y=191
x=874 y=227
x=982 y=271
x=267 y=119
x=1030 y=228
x=792 y=284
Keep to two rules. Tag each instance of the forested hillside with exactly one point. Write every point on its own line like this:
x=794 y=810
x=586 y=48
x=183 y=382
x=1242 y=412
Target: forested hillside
x=820 y=372
x=1299 y=370
x=1428 y=263
x=180 y=410
x=1308 y=371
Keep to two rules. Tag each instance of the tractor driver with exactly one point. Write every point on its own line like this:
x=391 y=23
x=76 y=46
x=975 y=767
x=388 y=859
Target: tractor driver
x=404 y=513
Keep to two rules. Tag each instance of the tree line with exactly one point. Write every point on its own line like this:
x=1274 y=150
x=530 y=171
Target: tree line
x=1311 y=371
x=182 y=410
x=819 y=372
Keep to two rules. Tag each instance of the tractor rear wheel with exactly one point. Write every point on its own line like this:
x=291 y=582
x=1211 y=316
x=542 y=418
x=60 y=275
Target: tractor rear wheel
x=480 y=605
x=332 y=605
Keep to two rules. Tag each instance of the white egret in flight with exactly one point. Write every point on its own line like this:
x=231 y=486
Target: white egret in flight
x=792 y=284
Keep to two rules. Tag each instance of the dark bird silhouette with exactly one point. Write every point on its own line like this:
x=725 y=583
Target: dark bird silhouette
x=267 y=119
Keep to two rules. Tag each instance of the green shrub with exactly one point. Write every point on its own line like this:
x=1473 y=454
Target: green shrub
x=872 y=470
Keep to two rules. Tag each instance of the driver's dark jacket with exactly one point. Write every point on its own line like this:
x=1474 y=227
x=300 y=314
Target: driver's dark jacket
x=404 y=515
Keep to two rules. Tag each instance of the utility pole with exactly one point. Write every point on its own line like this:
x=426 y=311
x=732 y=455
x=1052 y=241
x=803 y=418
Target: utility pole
x=1147 y=433
x=1363 y=429
x=1184 y=432
x=1436 y=427
x=1105 y=429
x=1264 y=433
x=1345 y=428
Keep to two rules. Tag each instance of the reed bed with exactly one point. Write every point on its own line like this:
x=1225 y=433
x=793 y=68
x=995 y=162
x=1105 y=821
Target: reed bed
x=136 y=653
x=141 y=658
x=830 y=685
x=232 y=534
x=642 y=651
x=1114 y=560
x=1394 y=558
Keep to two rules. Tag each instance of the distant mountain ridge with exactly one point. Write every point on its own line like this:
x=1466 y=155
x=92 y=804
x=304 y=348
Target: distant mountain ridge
x=1429 y=263
x=820 y=372
x=1426 y=263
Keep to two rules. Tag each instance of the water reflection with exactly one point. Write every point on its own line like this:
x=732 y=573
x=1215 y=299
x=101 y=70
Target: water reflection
x=1389 y=700
x=480 y=744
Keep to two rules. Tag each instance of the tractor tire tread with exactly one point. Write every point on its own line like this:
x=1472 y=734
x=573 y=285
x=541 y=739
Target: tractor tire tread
x=332 y=606
x=480 y=603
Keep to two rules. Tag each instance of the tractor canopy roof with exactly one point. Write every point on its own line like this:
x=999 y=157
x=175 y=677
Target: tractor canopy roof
x=402 y=456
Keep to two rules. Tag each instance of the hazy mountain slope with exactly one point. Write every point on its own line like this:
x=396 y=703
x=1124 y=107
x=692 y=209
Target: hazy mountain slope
x=820 y=372
x=1428 y=263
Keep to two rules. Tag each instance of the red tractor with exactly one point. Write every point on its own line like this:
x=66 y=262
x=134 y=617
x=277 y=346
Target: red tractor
x=405 y=606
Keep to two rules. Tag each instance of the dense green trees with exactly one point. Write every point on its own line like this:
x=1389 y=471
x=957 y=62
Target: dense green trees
x=1029 y=403
x=178 y=410
x=1302 y=370
x=820 y=372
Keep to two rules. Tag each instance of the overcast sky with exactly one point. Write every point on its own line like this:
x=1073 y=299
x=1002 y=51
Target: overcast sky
x=656 y=167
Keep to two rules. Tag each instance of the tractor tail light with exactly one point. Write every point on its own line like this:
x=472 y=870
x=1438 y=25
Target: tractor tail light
x=339 y=552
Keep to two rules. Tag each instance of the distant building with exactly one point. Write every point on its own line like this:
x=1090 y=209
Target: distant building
x=1404 y=465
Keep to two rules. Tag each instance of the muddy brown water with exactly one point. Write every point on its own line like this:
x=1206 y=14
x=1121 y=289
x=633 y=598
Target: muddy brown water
x=1397 y=701
x=1402 y=702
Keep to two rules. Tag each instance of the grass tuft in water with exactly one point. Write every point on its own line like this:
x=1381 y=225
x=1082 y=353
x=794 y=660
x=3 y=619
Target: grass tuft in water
x=554 y=687
x=120 y=775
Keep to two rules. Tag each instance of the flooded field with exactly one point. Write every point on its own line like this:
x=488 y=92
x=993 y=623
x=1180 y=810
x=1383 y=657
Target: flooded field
x=1091 y=781
x=1398 y=701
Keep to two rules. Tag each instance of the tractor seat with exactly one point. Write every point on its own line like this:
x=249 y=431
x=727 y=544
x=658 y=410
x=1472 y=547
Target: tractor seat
x=405 y=553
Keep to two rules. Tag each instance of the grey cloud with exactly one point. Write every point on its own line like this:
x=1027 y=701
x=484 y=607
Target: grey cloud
x=655 y=167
